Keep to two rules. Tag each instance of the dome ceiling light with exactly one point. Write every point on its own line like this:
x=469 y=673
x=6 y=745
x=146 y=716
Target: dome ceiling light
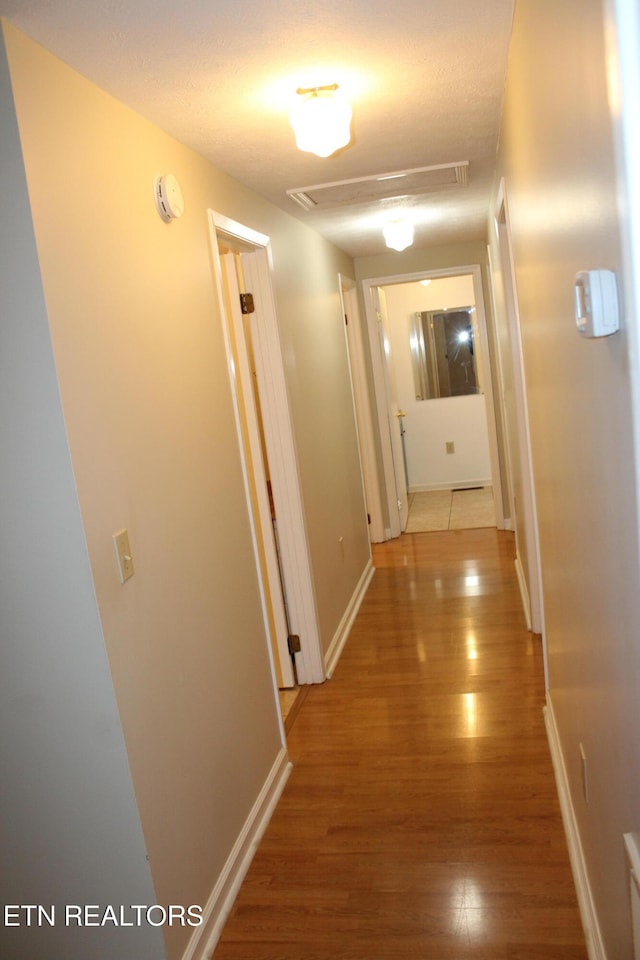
x=398 y=234
x=321 y=121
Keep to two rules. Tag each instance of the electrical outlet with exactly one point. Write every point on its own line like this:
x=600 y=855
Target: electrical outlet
x=450 y=446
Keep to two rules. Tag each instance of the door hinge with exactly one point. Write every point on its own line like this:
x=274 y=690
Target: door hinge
x=293 y=642
x=346 y=320
x=369 y=519
x=246 y=303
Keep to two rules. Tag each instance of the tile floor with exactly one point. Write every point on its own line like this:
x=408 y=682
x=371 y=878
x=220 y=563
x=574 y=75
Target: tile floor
x=451 y=510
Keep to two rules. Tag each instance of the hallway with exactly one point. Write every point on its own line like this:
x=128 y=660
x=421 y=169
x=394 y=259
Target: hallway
x=421 y=818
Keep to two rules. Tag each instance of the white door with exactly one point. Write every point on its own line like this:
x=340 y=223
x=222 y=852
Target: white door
x=360 y=386
x=278 y=443
x=394 y=415
x=259 y=482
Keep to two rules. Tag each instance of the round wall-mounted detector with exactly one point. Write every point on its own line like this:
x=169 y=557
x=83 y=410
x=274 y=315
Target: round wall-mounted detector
x=169 y=199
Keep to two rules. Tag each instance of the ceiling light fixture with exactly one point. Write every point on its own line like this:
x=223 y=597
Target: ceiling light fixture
x=321 y=121
x=398 y=234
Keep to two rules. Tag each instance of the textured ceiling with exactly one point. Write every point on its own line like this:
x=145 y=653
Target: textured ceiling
x=424 y=77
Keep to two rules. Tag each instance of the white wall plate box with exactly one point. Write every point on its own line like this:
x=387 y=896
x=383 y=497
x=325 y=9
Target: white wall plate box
x=596 y=303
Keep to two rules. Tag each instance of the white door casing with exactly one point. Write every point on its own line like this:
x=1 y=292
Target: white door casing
x=390 y=493
x=507 y=492
x=622 y=35
x=364 y=423
x=394 y=413
x=257 y=479
x=279 y=438
x=532 y=590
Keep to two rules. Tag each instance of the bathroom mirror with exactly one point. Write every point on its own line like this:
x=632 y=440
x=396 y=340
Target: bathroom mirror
x=443 y=353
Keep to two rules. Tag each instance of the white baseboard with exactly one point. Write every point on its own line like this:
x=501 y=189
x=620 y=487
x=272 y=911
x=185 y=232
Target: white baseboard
x=215 y=913
x=593 y=936
x=450 y=485
x=524 y=591
x=340 y=637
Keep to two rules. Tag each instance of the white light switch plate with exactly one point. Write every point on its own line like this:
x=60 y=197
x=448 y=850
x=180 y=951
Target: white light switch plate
x=123 y=555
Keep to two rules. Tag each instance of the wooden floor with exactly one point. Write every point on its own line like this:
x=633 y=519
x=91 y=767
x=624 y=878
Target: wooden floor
x=421 y=820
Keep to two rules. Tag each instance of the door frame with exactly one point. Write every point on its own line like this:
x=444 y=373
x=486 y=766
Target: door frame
x=256 y=474
x=532 y=591
x=507 y=491
x=623 y=73
x=360 y=389
x=295 y=560
x=399 y=497
x=377 y=361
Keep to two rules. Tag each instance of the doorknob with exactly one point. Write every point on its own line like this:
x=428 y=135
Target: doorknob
x=400 y=413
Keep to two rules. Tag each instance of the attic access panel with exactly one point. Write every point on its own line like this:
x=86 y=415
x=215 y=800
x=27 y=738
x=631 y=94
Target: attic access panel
x=419 y=180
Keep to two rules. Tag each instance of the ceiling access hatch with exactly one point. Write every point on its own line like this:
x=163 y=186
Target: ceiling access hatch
x=382 y=186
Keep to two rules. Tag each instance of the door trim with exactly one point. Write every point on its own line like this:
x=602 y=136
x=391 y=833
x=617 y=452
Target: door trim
x=255 y=249
x=364 y=422
x=385 y=413
x=256 y=475
x=534 y=600
x=623 y=74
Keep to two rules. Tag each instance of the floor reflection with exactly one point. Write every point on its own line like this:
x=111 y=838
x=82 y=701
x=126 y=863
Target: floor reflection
x=469 y=921
x=471 y=712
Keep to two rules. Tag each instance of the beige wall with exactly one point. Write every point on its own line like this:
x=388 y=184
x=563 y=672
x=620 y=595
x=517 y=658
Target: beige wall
x=147 y=405
x=413 y=261
x=319 y=382
x=70 y=831
x=557 y=157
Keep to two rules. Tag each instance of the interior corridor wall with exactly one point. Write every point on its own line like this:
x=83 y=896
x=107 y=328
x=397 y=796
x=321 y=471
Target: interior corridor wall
x=141 y=365
x=557 y=157
x=70 y=830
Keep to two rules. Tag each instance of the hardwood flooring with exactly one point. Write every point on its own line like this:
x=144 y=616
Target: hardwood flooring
x=421 y=820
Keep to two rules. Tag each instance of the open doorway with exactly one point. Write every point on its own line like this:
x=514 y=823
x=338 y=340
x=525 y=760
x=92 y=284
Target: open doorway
x=260 y=488
x=247 y=305
x=356 y=350
x=432 y=441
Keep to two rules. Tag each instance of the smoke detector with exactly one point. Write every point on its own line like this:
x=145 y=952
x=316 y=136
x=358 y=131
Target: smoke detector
x=169 y=199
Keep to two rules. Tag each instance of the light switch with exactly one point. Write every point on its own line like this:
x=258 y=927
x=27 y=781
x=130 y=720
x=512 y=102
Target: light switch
x=123 y=555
